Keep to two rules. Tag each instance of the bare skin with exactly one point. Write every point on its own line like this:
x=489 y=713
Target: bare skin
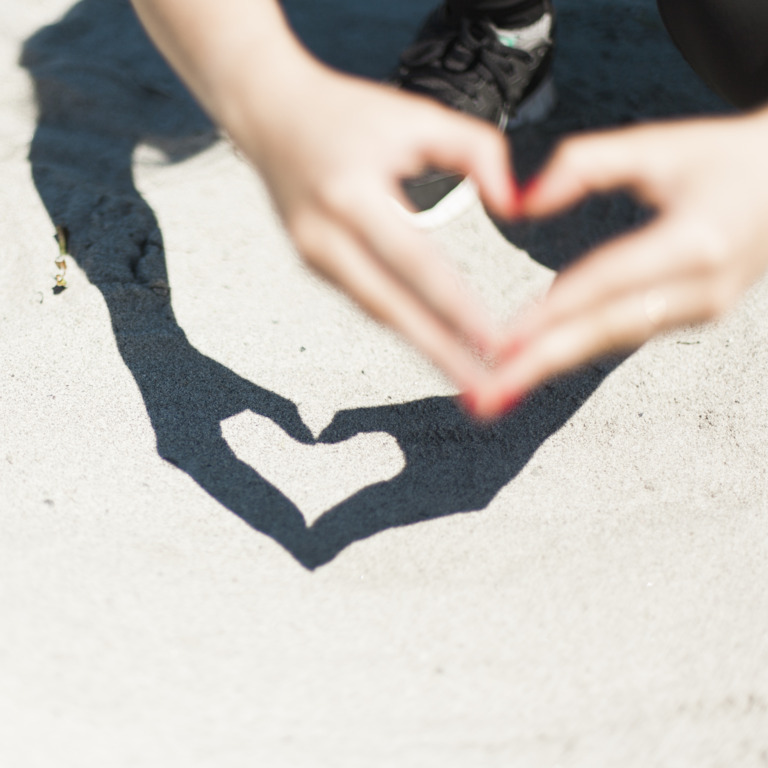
x=708 y=243
x=334 y=177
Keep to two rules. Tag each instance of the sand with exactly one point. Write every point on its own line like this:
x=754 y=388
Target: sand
x=243 y=525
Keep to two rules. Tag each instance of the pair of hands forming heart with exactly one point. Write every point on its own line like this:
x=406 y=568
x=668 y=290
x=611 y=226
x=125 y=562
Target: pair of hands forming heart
x=332 y=178
x=706 y=245
x=705 y=179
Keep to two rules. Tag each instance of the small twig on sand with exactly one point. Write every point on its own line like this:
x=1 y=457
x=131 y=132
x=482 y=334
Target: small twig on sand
x=62 y=237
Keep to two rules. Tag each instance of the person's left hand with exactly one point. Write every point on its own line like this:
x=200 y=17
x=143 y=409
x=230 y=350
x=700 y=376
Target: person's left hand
x=709 y=241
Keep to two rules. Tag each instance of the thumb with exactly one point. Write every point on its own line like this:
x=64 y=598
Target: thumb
x=345 y=424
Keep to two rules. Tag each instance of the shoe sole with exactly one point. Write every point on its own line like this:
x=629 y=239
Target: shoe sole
x=536 y=108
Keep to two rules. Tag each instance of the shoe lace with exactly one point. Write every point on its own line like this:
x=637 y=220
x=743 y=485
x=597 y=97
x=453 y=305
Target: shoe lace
x=464 y=61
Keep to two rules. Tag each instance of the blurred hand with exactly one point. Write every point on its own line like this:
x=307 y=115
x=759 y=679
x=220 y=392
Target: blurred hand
x=707 y=180
x=333 y=151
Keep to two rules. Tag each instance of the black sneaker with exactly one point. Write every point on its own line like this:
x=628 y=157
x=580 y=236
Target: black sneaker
x=500 y=75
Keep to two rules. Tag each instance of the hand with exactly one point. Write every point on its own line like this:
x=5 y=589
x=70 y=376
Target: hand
x=332 y=150
x=707 y=180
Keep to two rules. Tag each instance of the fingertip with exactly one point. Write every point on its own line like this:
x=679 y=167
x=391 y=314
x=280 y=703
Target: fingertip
x=497 y=406
x=476 y=149
x=502 y=200
x=487 y=403
x=495 y=177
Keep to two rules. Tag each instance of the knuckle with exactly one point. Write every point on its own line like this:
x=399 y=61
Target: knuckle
x=611 y=333
x=377 y=311
x=720 y=298
x=305 y=234
x=301 y=235
x=705 y=245
x=713 y=253
x=340 y=195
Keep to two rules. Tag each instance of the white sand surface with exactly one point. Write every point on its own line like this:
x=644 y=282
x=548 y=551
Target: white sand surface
x=241 y=525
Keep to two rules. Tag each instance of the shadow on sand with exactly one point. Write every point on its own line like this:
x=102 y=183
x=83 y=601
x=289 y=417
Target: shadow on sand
x=102 y=90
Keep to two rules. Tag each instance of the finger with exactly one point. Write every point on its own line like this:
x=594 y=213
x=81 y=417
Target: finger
x=285 y=414
x=345 y=261
x=622 y=323
x=343 y=426
x=412 y=257
x=600 y=162
x=477 y=150
x=660 y=252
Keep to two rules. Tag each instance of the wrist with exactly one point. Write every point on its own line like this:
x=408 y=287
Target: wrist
x=262 y=102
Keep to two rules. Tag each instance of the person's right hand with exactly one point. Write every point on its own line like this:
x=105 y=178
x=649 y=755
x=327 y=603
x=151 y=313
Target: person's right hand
x=333 y=150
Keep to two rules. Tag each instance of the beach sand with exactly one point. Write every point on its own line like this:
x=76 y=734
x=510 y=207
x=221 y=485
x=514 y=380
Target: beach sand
x=244 y=525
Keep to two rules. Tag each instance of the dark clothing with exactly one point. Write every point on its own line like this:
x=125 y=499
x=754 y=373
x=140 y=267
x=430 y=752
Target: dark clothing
x=725 y=41
x=504 y=13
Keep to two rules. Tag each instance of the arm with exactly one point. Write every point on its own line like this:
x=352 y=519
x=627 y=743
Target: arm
x=706 y=178
x=332 y=149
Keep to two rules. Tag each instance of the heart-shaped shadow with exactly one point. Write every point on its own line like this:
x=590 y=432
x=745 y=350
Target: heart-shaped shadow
x=316 y=476
x=451 y=465
x=102 y=90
